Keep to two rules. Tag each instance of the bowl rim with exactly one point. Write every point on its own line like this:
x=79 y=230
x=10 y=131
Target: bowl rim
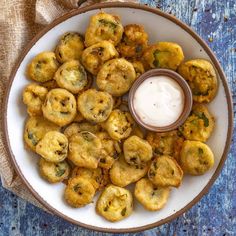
x=178 y=23
x=187 y=94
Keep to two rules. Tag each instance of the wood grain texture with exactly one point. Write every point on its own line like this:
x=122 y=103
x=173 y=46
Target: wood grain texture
x=215 y=214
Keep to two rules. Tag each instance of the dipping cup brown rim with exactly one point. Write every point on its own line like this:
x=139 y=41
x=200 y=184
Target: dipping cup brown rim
x=188 y=99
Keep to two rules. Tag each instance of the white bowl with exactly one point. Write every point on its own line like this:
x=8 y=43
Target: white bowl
x=160 y=27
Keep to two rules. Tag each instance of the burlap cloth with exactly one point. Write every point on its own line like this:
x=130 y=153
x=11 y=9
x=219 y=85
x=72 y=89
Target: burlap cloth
x=20 y=20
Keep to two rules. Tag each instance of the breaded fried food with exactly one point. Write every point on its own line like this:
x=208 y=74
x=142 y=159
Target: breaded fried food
x=165 y=171
x=75 y=128
x=96 y=55
x=98 y=177
x=166 y=55
x=168 y=143
x=79 y=192
x=199 y=125
x=59 y=106
x=119 y=124
x=115 y=203
x=196 y=158
x=116 y=77
x=70 y=47
x=123 y=174
x=85 y=149
x=138 y=67
x=43 y=67
x=137 y=151
x=35 y=128
x=152 y=197
x=134 y=41
x=201 y=77
x=33 y=97
x=54 y=172
x=109 y=153
x=95 y=105
x=53 y=147
x=103 y=26
x=71 y=76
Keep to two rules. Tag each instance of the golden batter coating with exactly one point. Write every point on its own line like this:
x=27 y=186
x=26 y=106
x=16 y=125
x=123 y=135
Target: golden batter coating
x=79 y=192
x=98 y=177
x=138 y=67
x=78 y=117
x=54 y=172
x=103 y=26
x=199 y=125
x=137 y=151
x=201 y=77
x=96 y=55
x=53 y=147
x=71 y=76
x=152 y=197
x=168 y=143
x=109 y=153
x=59 y=106
x=116 y=77
x=70 y=47
x=94 y=105
x=43 y=67
x=165 y=171
x=51 y=84
x=115 y=203
x=35 y=128
x=164 y=55
x=75 y=128
x=33 y=97
x=134 y=41
x=119 y=124
x=85 y=149
x=123 y=174
x=196 y=158
x=116 y=102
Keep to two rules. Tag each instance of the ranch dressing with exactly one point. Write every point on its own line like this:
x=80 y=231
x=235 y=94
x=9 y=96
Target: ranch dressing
x=159 y=101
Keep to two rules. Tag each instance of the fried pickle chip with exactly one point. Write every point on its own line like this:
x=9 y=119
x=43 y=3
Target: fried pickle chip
x=54 y=172
x=103 y=26
x=137 y=151
x=85 y=149
x=109 y=151
x=98 y=177
x=35 y=128
x=94 y=105
x=168 y=143
x=152 y=197
x=196 y=158
x=115 y=203
x=165 y=171
x=43 y=67
x=70 y=47
x=201 y=77
x=96 y=55
x=116 y=77
x=134 y=41
x=138 y=67
x=33 y=97
x=76 y=128
x=53 y=147
x=59 y=107
x=79 y=192
x=199 y=125
x=123 y=174
x=119 y=124
x=166 y=55
x=71 y=76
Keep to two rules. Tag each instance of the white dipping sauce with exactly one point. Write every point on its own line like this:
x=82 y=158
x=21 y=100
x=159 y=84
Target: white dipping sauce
x=159 y=101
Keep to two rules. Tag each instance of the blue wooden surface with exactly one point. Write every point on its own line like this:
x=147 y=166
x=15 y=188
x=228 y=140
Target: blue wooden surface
x=215 y=214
